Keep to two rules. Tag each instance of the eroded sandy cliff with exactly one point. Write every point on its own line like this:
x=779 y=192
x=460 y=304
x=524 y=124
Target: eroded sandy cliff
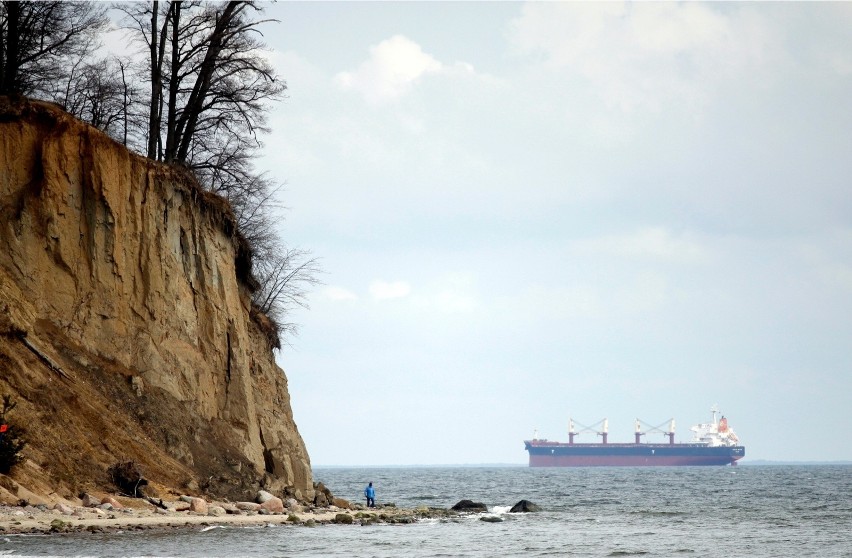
x=125 y=329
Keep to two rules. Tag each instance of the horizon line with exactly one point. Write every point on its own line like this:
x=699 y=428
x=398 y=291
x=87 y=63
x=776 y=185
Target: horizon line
x=509 y=465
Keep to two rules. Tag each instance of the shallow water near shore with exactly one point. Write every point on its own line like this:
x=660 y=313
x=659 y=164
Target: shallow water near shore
x=759 y=511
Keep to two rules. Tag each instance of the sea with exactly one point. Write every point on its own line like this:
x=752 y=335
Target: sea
x=744 y=511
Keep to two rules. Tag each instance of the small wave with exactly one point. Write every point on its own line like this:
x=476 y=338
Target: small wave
x=656 y=512
x=426 y=497
x=627 y=552
x=211 y=527
x=499 y=510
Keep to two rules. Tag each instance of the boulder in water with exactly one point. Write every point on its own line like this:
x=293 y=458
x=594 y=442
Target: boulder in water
x=525 y=506
x=470 y=506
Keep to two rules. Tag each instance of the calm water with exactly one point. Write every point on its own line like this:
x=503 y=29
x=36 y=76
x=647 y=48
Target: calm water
x=761 y=511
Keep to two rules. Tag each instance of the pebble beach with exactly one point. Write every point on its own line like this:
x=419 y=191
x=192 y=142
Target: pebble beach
x=138 y=514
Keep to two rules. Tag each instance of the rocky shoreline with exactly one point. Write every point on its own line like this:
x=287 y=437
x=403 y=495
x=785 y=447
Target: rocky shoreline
x=25 y=512
x=78 y=519
x=115 y=513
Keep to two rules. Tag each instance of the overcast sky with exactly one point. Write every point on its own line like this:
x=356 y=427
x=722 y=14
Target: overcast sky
x=530 y=212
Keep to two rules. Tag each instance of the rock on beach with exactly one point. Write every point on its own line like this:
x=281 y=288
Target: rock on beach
x=198 y=505
x=274 y=505
x=263 y=496
x=147 y=514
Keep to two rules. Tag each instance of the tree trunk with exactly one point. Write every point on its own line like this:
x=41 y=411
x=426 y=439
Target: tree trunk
x=156 y=87
x=125 y=101
x=174 y=85
x=10 y=73
x=189 y=118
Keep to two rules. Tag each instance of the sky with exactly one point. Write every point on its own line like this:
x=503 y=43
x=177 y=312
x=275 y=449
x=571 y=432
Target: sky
x=533 y=212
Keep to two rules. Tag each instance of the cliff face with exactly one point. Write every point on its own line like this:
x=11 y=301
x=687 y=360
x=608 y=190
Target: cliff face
x=125 y=331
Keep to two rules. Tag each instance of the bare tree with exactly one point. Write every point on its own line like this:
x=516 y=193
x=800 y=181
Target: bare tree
x=209 y=96
x=216 y=82
x=285 y=278
x=100 y=93
x=41 y=41
x=205 y=109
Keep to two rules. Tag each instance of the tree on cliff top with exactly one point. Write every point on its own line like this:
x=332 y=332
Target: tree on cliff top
x=210 y=85
x=210 y=89
x=203 y=106
x=41 y=41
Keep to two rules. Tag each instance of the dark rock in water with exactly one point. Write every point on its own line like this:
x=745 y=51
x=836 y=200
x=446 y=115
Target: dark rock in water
x=491 y=519
x=525 y=506
x=470 y=506
x=343 y=518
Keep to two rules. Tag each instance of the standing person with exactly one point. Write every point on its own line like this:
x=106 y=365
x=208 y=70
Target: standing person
x=370 y=493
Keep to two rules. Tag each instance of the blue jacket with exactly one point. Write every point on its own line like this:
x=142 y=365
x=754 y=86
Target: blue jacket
x=370 y=492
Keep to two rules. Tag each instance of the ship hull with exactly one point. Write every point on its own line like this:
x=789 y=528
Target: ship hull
x=553 y=454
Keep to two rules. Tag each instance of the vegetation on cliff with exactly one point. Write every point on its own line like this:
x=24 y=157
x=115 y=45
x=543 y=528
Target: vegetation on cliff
x=11 y=438
x=207 y=90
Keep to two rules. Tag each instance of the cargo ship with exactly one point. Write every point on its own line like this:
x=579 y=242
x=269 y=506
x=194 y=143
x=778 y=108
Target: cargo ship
x=713 y=443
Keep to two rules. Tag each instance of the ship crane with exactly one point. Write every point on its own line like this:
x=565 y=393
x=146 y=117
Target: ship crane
x=659 y=428
x=603 y=432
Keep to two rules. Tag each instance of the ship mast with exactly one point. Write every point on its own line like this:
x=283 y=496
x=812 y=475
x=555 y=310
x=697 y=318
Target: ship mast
x=638 y=434
x=659 y=428
x=593 y=428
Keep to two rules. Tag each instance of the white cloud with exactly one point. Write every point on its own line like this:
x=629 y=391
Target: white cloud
x=339 y=293
x=382 y=290
x=394 y=66
x=640 y=55
x=649 y=243
x=451 y=293
x=451 y=302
